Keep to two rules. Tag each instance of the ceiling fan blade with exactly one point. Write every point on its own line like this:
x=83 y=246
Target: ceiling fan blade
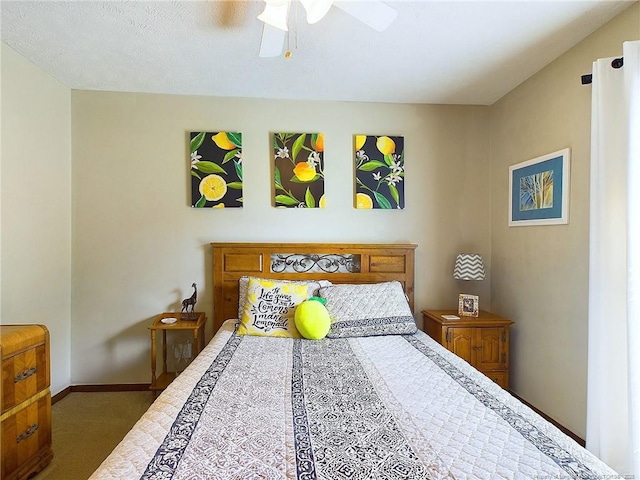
x=374 y=13
x=272 y=41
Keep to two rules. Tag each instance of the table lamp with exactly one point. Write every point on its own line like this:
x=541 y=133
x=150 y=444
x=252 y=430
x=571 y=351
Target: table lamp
x=468 y=266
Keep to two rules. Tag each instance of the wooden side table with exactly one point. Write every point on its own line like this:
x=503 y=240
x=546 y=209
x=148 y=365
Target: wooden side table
x=197 y=325
x=483 y=341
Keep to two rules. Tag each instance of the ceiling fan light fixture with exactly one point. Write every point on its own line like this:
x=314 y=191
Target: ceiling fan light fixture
x=316 y=9
x=275 y=13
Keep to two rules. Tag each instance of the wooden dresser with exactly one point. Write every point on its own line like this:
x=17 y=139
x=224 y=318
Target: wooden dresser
x=483 y=341
x=26 y=401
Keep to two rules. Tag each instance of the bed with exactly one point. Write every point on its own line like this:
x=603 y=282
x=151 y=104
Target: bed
x=375 y=402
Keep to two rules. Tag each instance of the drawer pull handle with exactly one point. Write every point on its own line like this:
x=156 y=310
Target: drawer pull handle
x=27 y=433
x=26 y=373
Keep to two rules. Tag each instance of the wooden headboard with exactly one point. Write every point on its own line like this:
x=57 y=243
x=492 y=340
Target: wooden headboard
x=336 y=262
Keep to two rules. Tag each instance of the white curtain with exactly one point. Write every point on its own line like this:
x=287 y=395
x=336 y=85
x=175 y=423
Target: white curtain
x=613 y=386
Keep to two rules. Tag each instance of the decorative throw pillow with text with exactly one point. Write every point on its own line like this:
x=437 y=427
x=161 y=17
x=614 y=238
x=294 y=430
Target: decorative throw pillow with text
x=270 y=307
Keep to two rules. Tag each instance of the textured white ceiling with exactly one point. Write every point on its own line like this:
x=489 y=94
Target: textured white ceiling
x=456 y=52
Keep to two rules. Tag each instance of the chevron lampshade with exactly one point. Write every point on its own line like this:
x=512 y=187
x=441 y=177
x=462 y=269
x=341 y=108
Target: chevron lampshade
x=468 y=267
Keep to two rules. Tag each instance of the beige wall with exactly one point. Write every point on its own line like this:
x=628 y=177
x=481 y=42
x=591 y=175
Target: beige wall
x=138 y=246
x=540 y=274
x=36 y=205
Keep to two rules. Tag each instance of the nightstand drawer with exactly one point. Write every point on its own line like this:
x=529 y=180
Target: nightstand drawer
x=501 y=378
x=23 y=375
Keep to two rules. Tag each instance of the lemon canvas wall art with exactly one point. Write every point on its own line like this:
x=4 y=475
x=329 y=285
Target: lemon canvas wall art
x=298 y=170
x=379 y=167
x=216 y=169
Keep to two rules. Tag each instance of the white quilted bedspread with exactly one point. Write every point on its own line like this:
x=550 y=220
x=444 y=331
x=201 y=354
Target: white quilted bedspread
x=386 y=407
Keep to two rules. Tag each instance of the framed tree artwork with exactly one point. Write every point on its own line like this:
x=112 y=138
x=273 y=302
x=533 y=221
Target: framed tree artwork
x=539 y=190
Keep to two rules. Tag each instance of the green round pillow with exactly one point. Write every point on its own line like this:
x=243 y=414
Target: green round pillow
x=312 y=319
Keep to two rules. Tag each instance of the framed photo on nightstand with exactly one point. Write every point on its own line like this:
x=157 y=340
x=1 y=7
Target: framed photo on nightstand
x=468 y=305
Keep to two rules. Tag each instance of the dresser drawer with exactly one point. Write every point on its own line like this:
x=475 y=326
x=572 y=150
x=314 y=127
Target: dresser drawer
x=24 y=375
x=26 y=438
x=25 y=422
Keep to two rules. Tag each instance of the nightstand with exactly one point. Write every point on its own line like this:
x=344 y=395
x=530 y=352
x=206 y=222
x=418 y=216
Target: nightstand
x=483 y=341
x=197 y=325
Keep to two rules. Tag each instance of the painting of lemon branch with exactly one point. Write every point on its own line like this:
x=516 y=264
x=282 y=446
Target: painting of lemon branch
x=216 y=169
x=379 y=163
x=298 y=170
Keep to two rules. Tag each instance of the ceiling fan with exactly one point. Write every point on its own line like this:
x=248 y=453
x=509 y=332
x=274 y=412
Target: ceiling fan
x=373 y=13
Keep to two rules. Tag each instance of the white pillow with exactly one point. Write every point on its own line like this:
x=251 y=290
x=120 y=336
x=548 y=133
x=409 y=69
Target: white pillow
x=368 y=309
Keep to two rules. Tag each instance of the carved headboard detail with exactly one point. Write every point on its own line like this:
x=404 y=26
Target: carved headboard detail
x=336 y=262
